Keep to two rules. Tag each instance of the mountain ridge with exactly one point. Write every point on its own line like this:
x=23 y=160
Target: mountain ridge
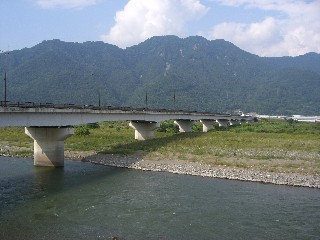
x=205 y=75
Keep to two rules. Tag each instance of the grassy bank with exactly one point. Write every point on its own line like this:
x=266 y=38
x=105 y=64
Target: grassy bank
x=269 y=145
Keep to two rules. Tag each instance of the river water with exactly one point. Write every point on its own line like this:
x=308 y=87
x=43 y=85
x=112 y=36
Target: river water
x=86 y=201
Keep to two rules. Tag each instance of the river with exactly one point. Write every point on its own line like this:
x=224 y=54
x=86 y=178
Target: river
x=86 y=201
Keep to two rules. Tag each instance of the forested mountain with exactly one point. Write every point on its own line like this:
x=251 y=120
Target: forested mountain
x=205 y=76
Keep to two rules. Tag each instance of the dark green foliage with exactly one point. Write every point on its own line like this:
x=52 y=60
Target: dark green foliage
x=168 y=127
x=290 y=120
x=197 y=127
x=93 y=125
x=84 y=130
x=81 y=130
x=205 y=75
x=279 y=126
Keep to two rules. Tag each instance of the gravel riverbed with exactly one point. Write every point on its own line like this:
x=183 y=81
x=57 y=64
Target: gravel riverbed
x=199 y=169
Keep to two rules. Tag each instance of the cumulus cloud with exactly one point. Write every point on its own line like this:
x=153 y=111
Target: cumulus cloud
x=65 y=3
x=141 y=19
x=295 y=31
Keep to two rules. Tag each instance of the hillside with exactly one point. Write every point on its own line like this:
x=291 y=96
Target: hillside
x=205 y=76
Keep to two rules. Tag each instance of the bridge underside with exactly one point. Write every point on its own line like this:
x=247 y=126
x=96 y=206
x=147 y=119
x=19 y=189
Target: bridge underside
x=49 y=141
x=184 y=125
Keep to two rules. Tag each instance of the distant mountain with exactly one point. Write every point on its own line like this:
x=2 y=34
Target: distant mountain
x=205 y=76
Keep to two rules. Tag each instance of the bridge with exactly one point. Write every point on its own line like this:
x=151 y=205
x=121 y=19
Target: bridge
x=50 y=124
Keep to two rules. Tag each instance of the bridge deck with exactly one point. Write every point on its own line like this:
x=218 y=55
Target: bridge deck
x=31 y=114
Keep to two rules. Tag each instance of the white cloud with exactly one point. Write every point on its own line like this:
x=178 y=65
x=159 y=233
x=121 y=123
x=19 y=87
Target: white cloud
x=78 y=4
x=295 y=32
x=141 y=19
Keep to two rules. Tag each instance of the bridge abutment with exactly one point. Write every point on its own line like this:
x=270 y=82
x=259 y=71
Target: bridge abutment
x=207 y=125
x=49 y=144
x=144 y=130
x=184 y=125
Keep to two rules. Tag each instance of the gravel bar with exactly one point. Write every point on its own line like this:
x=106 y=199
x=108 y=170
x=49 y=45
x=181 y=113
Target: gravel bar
x=199 y=169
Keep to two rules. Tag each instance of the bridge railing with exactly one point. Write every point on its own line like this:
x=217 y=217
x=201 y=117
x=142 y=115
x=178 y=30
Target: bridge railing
x=51 y=105
x=7 y=104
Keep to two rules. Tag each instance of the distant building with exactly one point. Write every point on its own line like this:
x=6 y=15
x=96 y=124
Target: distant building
x=301 y=118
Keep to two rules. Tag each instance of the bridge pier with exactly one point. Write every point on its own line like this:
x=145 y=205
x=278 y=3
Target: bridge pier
x=207 y=124
x=234 y=122
x=144 y=130
x=49 y=144
x=184 y=125
x=223 y=123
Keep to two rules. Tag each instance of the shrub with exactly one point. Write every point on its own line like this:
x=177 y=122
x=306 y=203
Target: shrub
x=291 y=121
x=197 y=127
x=81 y=130
x=93 y=125
x=168 y=126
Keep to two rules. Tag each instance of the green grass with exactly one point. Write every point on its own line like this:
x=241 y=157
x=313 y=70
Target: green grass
x=272 y=145
x=15 y=136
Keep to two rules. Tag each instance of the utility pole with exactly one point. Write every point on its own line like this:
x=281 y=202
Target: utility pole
x=147 y=96
x=5 y=77
x=5 y=84
x=174 y=99
x=99 y=98
x=97 y=88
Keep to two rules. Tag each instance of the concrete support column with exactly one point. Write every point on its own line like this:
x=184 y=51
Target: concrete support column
x=243 y=120
x=223 y=123
x=184 y=125
x=207 y=124
x=144 y=130
x=234 y=122
x=49 y=144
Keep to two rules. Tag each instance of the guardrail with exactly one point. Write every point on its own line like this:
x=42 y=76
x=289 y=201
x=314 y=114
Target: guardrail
x=7 y=104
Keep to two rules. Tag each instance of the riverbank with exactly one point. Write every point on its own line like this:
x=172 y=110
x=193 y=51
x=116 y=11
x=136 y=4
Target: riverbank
x=136 y=161
x=26 y=152
x=140 y=162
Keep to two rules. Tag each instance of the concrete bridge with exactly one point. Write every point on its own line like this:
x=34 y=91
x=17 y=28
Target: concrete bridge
x=49 y=125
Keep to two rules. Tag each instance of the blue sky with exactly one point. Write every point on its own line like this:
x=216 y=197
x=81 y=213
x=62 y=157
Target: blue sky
x=262 y=27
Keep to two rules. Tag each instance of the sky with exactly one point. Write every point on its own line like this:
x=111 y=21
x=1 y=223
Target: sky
x=262 y=27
